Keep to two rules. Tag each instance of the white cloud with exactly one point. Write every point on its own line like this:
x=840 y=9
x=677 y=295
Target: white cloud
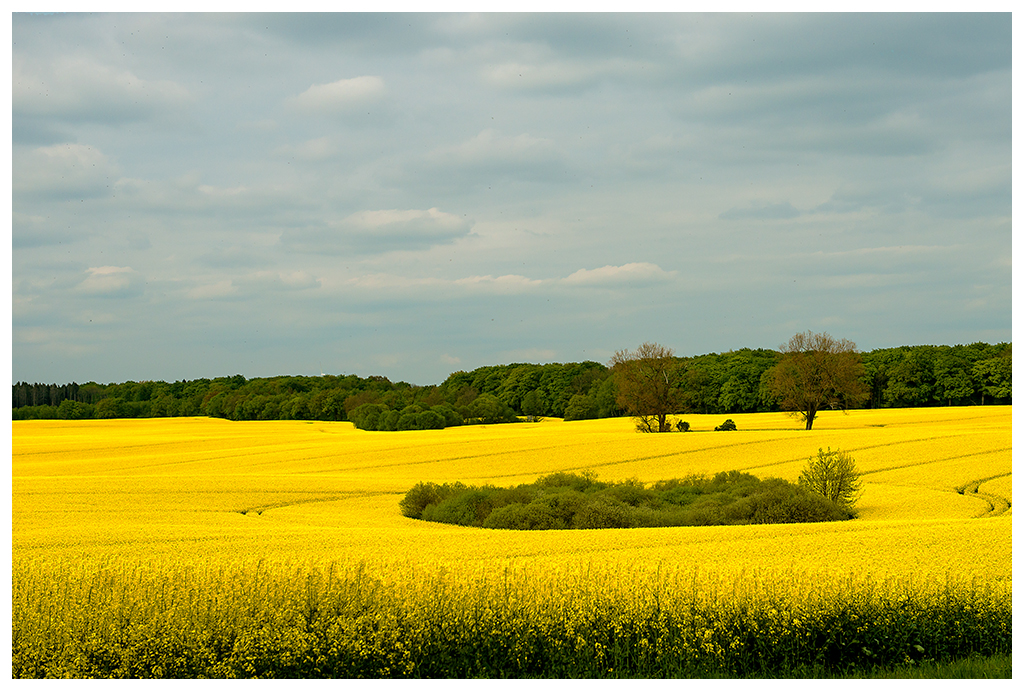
x=111 y=281
x=81 y=87
x=278 y=280
x=507 y=285
x=380 y=231
x=491 y=146
x=213 y=291
x=311 y=150
x=637 y=273
x=764 y=211
x=558 y=74
x=64 y=170
x=339 y=96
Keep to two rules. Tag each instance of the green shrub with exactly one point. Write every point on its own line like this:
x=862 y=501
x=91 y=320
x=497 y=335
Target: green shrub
x=833 y=475
x=580 y=483
x=602 y=512
x=631 y=492
x=727 y=426
x=532 y=516
x=469 y=507
x=567 y=500
x=783 y=502
x=564 y=504
x=425 y=493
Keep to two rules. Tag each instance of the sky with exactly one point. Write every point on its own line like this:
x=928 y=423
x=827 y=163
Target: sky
x=410 y=195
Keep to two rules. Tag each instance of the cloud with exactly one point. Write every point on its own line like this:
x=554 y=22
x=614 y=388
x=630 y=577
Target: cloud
x=492 y=155
x=641 y=273
x=339 y=96
x=558 y=74
x=64 y=171
x=213 y=291
x=374 y=232
x=278 y=281
x=38 y=231
x=490 y=146
x=761 y=211
x=442 y=289
x=81 y=88
x=111 y=281
x=255 y=284
x=510 y=284
x=318 y=149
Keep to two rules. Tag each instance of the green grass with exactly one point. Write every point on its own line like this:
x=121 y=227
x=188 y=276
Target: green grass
x=994 y=667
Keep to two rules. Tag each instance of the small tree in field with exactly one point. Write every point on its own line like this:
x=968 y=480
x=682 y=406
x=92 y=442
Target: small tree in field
x=815 y=372
x=646 y=387
x=834 y=475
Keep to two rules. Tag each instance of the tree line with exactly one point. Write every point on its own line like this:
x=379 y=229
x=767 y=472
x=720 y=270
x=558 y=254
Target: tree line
x=716 y=383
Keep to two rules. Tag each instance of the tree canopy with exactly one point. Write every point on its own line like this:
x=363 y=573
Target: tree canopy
x=736 y=381
x=817 y=371
x=646 y=386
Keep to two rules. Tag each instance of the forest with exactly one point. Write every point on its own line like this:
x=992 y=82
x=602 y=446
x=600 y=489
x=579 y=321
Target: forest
x=729 y=382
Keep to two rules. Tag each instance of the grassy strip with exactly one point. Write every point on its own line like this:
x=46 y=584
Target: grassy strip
x=344 y=622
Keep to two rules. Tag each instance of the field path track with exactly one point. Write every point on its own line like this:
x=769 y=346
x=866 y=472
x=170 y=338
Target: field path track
x=996 y=505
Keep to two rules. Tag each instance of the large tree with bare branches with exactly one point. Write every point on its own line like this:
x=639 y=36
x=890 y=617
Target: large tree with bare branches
x=645 y=386
x=818 y=372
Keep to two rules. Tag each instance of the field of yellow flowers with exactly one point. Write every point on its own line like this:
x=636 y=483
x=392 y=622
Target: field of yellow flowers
x=202 y=547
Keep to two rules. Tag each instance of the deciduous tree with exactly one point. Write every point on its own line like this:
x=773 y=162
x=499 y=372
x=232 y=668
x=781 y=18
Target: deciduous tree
x=645 y=386
x=834 y=475
x=816 y=372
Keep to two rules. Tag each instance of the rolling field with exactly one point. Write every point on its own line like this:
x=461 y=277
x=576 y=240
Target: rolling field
x=122 y=510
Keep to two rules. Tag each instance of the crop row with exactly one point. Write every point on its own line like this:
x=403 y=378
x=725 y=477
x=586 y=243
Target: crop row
x=120 y=619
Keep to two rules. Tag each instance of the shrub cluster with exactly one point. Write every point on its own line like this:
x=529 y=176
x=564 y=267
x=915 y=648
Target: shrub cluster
x=566 y=500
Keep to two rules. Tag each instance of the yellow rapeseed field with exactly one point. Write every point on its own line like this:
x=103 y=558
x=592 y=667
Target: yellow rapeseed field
x=248 y=546
x=193 y=488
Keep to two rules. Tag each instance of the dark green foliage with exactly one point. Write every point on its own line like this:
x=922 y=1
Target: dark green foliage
x=727 y=426
x=533 y=516
x=567 y=500
x=716 y=383
x=534 y=404
x=783 y=502
x=487 y=409
x=468 y=507
x=426 y=493
x=580 y=408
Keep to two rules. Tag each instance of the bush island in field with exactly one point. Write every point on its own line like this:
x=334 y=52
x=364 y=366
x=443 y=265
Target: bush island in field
x=565 y=500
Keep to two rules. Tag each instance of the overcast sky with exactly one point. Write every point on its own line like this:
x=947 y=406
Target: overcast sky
x=411 y=195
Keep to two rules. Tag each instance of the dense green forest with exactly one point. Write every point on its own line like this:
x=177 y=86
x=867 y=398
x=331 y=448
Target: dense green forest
x=716 y=383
